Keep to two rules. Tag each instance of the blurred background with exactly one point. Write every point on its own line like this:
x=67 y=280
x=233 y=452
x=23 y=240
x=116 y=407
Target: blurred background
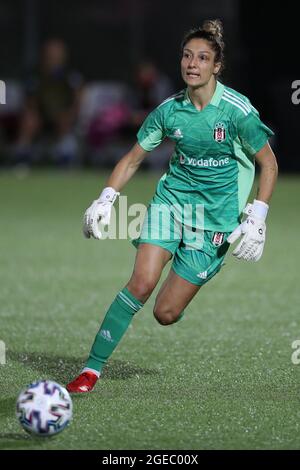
x=81 y=76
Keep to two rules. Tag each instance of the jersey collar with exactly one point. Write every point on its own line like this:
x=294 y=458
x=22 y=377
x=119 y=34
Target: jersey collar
x=216 y=98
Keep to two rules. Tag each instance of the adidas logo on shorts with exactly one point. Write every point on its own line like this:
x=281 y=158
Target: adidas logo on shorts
x=202 y=275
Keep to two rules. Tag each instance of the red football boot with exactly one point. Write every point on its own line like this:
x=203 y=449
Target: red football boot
x=85 y=382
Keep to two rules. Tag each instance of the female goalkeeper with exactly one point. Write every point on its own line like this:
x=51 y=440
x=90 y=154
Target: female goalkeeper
x=218 y=136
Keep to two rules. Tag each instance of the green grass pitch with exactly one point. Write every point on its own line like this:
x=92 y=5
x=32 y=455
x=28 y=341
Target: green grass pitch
x=222 y=378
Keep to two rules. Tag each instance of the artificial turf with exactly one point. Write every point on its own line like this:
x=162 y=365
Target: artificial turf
x=222 y=378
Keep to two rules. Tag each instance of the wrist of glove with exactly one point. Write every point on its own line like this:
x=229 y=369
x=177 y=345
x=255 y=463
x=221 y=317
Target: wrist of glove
x=252 y=232
x=99 y=212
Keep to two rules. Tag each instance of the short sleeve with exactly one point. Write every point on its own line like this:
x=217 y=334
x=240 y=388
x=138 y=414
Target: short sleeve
x=152 y=131
x=253 y=133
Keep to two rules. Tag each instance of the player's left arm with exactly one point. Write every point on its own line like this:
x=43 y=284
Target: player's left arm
x=253 y=229
x=267 y=162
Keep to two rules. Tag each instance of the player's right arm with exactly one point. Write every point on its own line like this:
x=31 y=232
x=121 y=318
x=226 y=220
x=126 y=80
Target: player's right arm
x=126 y=168
x=150 y=135
x=100 y=209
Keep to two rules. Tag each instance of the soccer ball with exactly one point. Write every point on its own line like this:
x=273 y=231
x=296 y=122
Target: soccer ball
x=44 y=408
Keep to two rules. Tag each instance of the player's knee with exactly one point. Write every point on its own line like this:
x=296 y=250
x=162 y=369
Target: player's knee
x=141 y=288
x=165 y=316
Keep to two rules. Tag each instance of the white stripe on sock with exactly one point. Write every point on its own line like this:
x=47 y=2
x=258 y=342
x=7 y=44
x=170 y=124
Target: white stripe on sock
x=128 y=301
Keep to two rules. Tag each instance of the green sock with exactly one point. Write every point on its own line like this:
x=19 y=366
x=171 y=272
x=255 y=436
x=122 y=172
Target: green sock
x=114 y=325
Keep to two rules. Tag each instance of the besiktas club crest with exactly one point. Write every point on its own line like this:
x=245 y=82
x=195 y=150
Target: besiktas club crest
x=220 y=132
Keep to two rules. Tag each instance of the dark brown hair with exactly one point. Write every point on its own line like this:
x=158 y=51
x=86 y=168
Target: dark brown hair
x=211 y=31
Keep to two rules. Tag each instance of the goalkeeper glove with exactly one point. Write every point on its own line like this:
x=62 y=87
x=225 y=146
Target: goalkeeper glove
x=99 y=211
x=252 y=231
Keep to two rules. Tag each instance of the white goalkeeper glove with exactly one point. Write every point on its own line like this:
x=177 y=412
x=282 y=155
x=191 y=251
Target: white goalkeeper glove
x=252 y=231
x=99 y=211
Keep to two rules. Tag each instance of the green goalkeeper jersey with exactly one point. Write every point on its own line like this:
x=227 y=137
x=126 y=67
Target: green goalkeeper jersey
x=213 y=162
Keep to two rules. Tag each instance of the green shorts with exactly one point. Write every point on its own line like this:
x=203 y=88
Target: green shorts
x=197 y=254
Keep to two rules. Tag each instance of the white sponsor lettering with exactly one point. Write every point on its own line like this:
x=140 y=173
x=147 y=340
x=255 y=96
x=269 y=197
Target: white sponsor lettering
x=201 y=162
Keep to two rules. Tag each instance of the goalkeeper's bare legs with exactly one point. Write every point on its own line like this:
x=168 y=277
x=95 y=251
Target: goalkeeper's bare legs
x=175 y=294
x=149 y=263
